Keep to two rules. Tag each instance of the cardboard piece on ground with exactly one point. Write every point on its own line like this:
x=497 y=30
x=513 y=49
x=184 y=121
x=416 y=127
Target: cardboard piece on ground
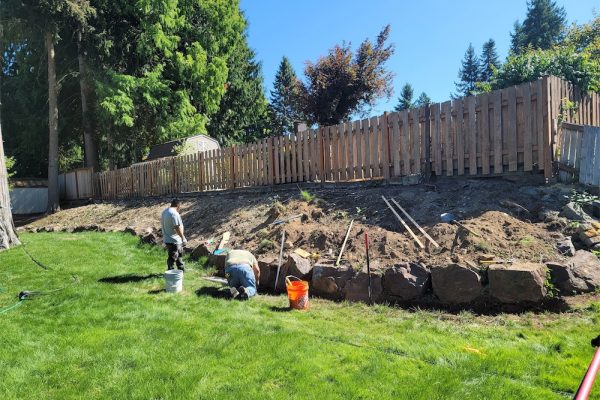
x=302 y=253
x=224 y=240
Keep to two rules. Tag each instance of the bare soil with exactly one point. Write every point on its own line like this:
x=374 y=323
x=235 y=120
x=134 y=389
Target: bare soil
x=516 y=218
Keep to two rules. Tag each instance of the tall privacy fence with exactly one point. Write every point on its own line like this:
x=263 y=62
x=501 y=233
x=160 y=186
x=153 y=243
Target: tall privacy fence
x=579 y=155
x=508 y=130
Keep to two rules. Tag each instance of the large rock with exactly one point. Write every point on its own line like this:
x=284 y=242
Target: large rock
x=580 y=274
x=268 y=271
x=407 y=281
x=299 y=266
x=218 y=261
x=200 y=251
x=328 y=280
x=519 y=282
x=565 y=246
x=454 y=283
x=574 y=212
x=357 y=288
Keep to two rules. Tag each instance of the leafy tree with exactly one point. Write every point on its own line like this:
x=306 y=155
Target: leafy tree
x=283 y=98
x=405 y=100
x=422 y=100
x=543 y=27
x=243 y=112
x=343 y=83
x=489 y=60
x=468 y=74
x=576 y=59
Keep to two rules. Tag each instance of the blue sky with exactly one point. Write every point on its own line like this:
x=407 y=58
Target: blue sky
x=431 y=37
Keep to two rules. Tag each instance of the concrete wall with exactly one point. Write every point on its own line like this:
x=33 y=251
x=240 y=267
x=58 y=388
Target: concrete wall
x=28 y=200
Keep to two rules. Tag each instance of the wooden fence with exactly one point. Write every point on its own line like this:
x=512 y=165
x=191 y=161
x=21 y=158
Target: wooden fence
x=505 y=131
x=77 y=184
x=579 y=157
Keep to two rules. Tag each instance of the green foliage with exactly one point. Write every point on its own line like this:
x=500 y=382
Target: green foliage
x=343 y=83
x=183 y=148
x=489 y=61
x=423 y=100
x=568 y=108
x=405 y=101
x=582 y=198
x=306 y=196
x=564 y=62
x=284 y=97
x=243 y=114
x=10 y=165
x=543 y=27
x=265 y=245
x=468 y=74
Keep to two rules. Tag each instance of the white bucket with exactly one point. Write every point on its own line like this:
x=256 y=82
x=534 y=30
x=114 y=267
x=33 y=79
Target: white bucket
x=174 y=281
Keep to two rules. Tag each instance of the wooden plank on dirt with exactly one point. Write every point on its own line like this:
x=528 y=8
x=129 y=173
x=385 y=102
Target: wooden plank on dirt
x=485 y=133
x=415 y=238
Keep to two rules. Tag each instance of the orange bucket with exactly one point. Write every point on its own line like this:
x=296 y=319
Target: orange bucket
x=297 y=291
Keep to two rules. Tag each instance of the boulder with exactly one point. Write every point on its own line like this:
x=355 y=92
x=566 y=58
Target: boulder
x=519 y=282
x=357 y=288
x=316 y=214
x=406 y=281
x=580 y=274
x=218 y=261
x=318 y=239
x=328 y=280
x=130 y=229
x=455 y=283
x=299 y=266
x=150 y=238
x=574 y=212
x=565 y=246
x=268 y=270
x=201 y=250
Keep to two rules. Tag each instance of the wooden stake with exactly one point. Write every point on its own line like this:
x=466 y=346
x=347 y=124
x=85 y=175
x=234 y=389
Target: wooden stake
x=344 y=244
x=404 y=223
x=224 y=240
x=417 y=225
x=280 y=258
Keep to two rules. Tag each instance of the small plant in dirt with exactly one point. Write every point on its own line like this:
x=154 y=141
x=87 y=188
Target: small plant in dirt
x=482 y=246
x=551 y=290
x=582 y=198
x=341 y=215
x=596 y=253
x=527 y=241
x=265 y=245
x=306 y=196
x=263 y=233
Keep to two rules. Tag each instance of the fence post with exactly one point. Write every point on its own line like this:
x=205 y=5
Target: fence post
x=386 y=148
x=547 y=128
x=427 y=143
x=232 y=167
x=271 y=161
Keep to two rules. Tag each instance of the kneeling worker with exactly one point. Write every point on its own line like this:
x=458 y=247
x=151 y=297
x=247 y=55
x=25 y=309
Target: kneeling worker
x=242 y=273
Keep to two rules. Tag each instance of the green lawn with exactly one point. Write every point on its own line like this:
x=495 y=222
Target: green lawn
x=128 y=340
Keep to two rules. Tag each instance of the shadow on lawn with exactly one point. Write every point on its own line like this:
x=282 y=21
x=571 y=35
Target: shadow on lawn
x=212 y=291
x=128 y=278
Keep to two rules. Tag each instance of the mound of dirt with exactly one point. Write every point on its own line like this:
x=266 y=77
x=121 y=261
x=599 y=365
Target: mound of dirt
x=505 y=214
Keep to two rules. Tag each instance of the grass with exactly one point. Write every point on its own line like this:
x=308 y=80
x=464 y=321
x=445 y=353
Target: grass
x=123 y=338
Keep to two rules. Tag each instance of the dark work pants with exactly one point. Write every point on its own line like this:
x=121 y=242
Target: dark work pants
x=175 y=254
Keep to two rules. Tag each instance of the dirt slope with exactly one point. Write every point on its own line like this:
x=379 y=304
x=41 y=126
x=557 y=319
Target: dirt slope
x=515 y=219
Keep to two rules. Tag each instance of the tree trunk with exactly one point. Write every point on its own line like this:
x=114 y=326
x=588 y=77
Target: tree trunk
x=90 y=146
x=8 y=235
x=53 y=192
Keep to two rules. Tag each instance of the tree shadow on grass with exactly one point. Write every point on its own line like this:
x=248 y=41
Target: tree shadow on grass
x=280 y=309
x=156 y=291
x=128 y=278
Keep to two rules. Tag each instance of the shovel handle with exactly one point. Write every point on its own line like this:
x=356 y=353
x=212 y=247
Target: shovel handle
x=467 y=229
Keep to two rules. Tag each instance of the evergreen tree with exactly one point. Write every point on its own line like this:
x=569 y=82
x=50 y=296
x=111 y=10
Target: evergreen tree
x=243 y=114
x=489 y=60
x=405 y=100
x=422 y=100
x=283 y=98
x=468 y=74
x=543 y=27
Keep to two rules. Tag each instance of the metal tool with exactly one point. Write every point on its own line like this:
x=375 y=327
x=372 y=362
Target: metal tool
x=588 y=381
x=344 y=244
x=368 y=268
x=450 y=218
